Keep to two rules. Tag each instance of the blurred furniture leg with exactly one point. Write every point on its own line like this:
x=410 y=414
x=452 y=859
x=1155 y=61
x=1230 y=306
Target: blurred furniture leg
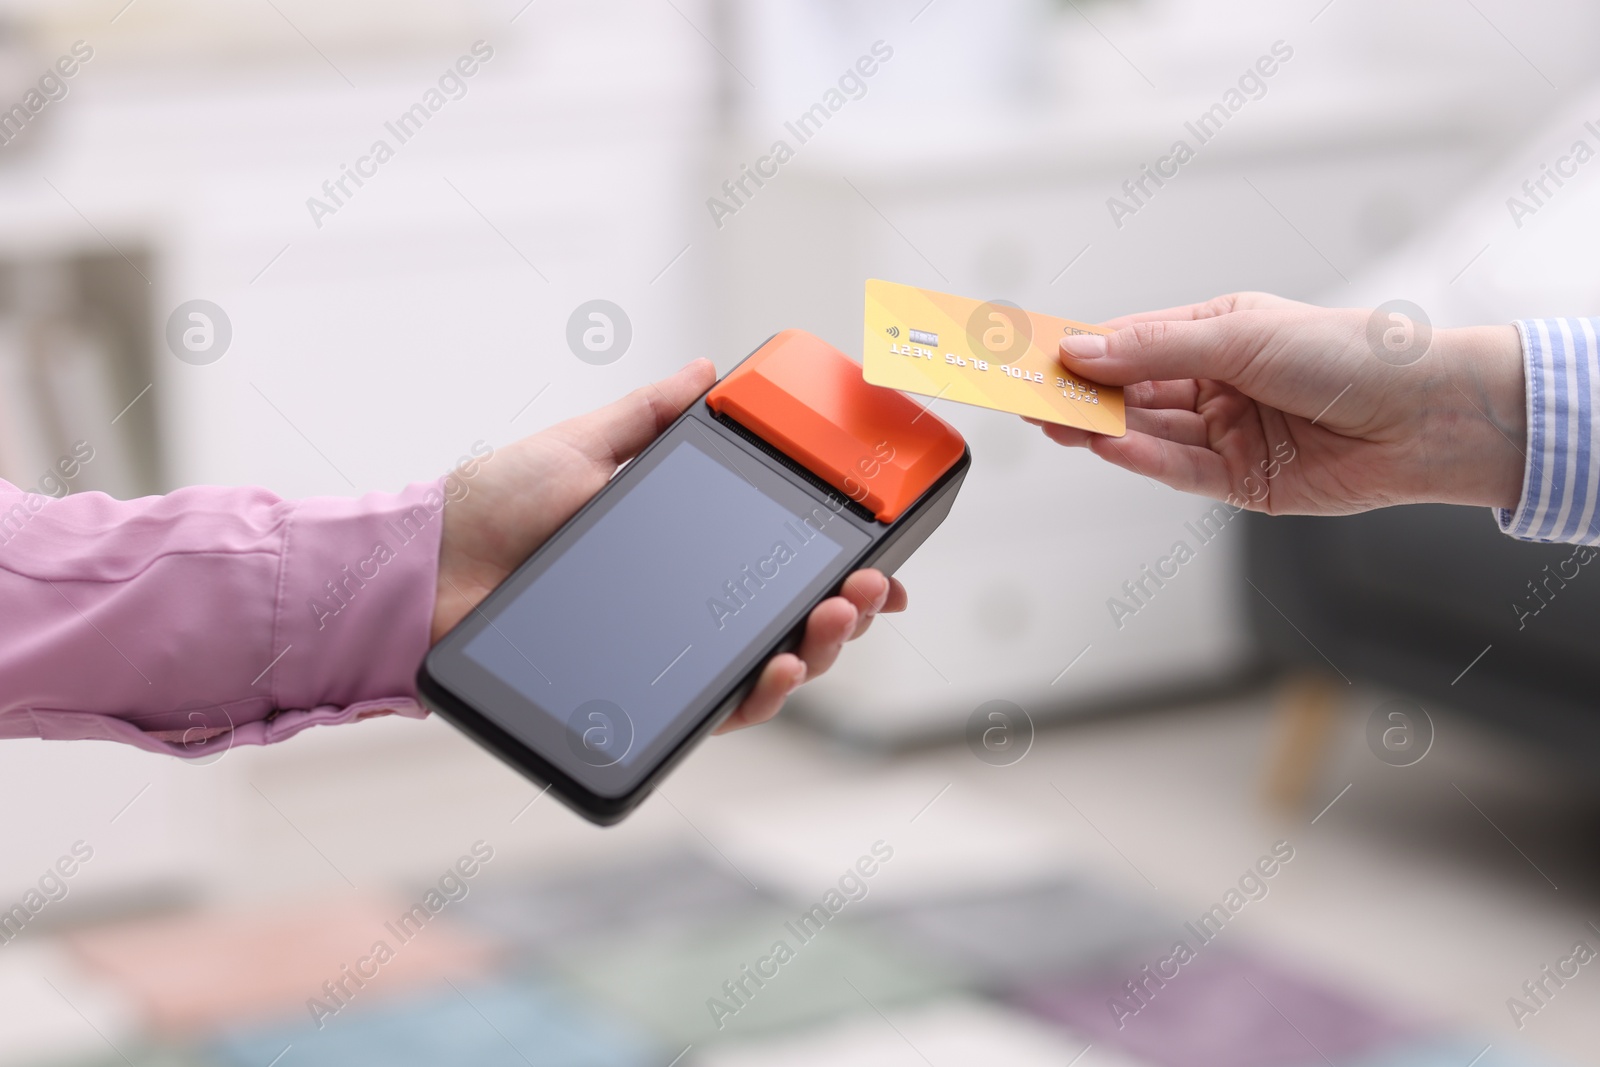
x=1307 y=706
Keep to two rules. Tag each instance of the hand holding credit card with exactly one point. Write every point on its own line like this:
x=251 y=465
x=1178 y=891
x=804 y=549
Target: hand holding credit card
x=984 y=353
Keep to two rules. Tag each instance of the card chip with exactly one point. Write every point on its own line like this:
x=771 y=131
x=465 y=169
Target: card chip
x=922 y=337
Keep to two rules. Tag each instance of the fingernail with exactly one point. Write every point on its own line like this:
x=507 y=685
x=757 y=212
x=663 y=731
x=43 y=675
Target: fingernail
x=799 y=678
x=1083 y=345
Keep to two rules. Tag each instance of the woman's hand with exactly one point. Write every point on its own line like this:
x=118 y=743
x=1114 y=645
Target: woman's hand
x=1284 y=407
x=530 y=488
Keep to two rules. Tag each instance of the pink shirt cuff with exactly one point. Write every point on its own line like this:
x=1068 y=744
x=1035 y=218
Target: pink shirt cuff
x=213 y=616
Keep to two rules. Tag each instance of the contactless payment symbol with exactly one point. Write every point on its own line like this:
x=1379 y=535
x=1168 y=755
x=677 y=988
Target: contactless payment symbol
x=599 y=733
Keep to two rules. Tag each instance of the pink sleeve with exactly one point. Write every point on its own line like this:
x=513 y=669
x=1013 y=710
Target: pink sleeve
x=211 y=617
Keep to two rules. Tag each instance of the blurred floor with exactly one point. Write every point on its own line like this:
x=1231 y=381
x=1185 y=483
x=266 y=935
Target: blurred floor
x=1400 y=894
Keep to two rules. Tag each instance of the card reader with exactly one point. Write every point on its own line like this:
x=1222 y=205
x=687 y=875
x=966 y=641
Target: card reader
x=640 y=624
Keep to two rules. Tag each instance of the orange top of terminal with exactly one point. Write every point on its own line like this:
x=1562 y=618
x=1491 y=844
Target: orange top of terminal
x=808 y=400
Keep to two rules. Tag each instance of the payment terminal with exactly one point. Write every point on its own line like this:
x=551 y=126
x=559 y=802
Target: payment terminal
x=640 y=625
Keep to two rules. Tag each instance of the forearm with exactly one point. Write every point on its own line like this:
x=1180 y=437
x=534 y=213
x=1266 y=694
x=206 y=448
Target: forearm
x=211 y=616
x=1475 y=427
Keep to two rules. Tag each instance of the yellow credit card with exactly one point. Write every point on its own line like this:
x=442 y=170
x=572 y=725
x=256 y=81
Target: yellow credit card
x=990 y=354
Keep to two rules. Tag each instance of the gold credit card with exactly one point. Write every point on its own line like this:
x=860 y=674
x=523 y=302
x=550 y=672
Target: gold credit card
x=985 y=353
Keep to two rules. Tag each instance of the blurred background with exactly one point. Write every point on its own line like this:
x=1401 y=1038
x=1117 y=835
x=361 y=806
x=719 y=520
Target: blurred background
x=363 y=337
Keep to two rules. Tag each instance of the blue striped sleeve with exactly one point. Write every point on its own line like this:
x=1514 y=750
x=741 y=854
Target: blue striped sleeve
x=1561 y=479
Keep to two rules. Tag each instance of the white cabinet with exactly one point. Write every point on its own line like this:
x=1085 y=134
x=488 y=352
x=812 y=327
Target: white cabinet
x=1015 y=586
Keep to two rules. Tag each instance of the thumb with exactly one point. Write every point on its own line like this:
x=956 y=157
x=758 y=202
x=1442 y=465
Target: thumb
x=1159 y=350
x=620 y=430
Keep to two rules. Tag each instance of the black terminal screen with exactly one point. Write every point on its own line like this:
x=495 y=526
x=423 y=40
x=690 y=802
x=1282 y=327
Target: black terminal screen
x=616 y=635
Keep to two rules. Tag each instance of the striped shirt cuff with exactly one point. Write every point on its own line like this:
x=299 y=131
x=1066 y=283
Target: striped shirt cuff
x=1561 y=479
